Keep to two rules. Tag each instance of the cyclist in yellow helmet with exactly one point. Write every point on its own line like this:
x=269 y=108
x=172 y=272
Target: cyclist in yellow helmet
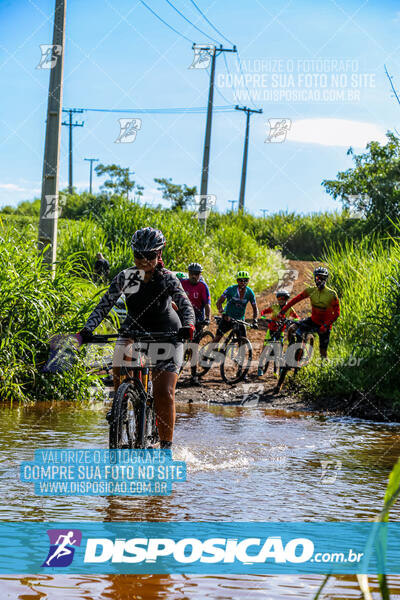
x=237 y=297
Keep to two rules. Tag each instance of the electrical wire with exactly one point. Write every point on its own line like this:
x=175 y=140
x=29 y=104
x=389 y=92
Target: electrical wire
x=220 y=93
x=165 y=22
x=209 y=22
x=190 y=22
x=163 y=111
x=391 y=84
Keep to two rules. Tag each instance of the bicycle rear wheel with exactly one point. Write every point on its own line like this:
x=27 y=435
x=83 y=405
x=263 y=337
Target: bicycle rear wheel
x=125 y=417
x=270 y=358
x=237 y=358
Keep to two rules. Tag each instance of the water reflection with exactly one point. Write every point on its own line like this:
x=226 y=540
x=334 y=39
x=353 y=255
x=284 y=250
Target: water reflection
x=243 y=464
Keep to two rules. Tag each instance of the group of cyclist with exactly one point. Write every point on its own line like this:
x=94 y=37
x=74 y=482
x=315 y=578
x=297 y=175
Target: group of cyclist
x=165 y=301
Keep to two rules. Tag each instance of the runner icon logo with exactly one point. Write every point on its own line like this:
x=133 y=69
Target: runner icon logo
x=61 y=551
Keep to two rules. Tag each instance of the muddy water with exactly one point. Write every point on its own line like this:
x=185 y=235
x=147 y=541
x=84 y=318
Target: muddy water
x=243 y=464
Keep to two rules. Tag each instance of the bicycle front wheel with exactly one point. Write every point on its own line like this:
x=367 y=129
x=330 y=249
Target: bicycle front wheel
x=125 y=418
x=237 y=358
x=202 y=366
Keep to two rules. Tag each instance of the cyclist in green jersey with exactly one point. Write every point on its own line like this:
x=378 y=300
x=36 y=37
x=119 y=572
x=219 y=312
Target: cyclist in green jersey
x=237 y=297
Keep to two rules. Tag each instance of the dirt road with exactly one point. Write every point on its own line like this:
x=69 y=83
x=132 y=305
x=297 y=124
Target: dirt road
x=214 y=390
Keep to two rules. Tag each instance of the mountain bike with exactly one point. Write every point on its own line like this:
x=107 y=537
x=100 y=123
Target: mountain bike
x=295 y=357
x=132 y=418
x=234 y=353
x=271 y=354
x=201 y=338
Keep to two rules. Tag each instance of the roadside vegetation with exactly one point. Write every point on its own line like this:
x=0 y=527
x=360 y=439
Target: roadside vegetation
x=364 y=354
x=33 y=307
x=360 y=245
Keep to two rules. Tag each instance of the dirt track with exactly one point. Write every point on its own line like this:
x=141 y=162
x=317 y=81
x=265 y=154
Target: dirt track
x=214 y=390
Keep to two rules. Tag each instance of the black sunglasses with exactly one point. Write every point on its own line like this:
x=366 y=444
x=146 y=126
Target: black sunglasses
x=243 y=280
x=147 y=254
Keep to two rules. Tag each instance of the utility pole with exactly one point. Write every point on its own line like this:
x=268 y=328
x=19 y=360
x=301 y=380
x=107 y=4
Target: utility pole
x=248 y=112
x=127 y=190
x=232 y=203
x=91 y=160
x=264 y=210
x=49 y=198
x=207 y=141
x=70 y=124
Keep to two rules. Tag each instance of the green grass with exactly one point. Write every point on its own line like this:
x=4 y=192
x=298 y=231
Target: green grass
x=33 y=307
x=367 y=278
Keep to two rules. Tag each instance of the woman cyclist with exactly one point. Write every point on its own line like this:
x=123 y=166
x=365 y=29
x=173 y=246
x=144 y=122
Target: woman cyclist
x=149 y=291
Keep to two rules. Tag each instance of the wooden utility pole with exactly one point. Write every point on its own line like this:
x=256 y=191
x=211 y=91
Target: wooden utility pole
x=70 y=124
x=207 y=140
x=232 y=203
x=49 y=199
x=248 y=112
x=91 y=160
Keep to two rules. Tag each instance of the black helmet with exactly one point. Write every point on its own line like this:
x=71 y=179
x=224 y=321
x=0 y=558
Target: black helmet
x=321 y=272
x=284 y=293
x=147 y=239
x=195 y=268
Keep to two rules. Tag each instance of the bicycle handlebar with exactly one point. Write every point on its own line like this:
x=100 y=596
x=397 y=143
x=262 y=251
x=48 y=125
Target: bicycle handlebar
x=220 y=318
x=137 y=336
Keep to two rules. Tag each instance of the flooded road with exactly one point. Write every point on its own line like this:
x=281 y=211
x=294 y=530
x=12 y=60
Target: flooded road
x=244 y=464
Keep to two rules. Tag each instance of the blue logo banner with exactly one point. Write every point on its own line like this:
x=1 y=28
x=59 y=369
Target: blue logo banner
x=188 y=547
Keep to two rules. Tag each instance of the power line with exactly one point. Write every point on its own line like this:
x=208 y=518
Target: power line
x=190 y=22
x=209 y=22
x=162 y=111
x=165 y=22
x=391 y=83
x=220 y=93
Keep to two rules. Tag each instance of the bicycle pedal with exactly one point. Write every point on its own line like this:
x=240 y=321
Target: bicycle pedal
x=109 y=416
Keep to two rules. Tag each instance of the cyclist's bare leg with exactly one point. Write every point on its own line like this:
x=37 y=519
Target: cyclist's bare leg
x=291 y=332
x=164 y=384
x=116 y=378
x=217 y=338
x=323 y=352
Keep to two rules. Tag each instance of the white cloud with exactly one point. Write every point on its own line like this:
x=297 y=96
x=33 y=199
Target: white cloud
x=335 y=132
x=11 y=187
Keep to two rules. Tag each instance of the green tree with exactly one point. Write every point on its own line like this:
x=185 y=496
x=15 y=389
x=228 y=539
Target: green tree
x=119 y=181
x=179 y=195
x=29 y=208
x=372 y=187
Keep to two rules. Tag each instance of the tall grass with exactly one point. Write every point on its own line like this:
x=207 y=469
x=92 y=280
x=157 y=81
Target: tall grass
x=300 y=237
x=367 y=279
x=33 y=307
x=221 y=251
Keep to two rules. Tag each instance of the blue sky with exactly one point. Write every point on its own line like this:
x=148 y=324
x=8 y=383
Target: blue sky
x=118 y=55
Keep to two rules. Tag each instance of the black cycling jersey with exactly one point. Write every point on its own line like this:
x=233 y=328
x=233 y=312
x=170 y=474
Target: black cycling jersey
x=149 y=304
